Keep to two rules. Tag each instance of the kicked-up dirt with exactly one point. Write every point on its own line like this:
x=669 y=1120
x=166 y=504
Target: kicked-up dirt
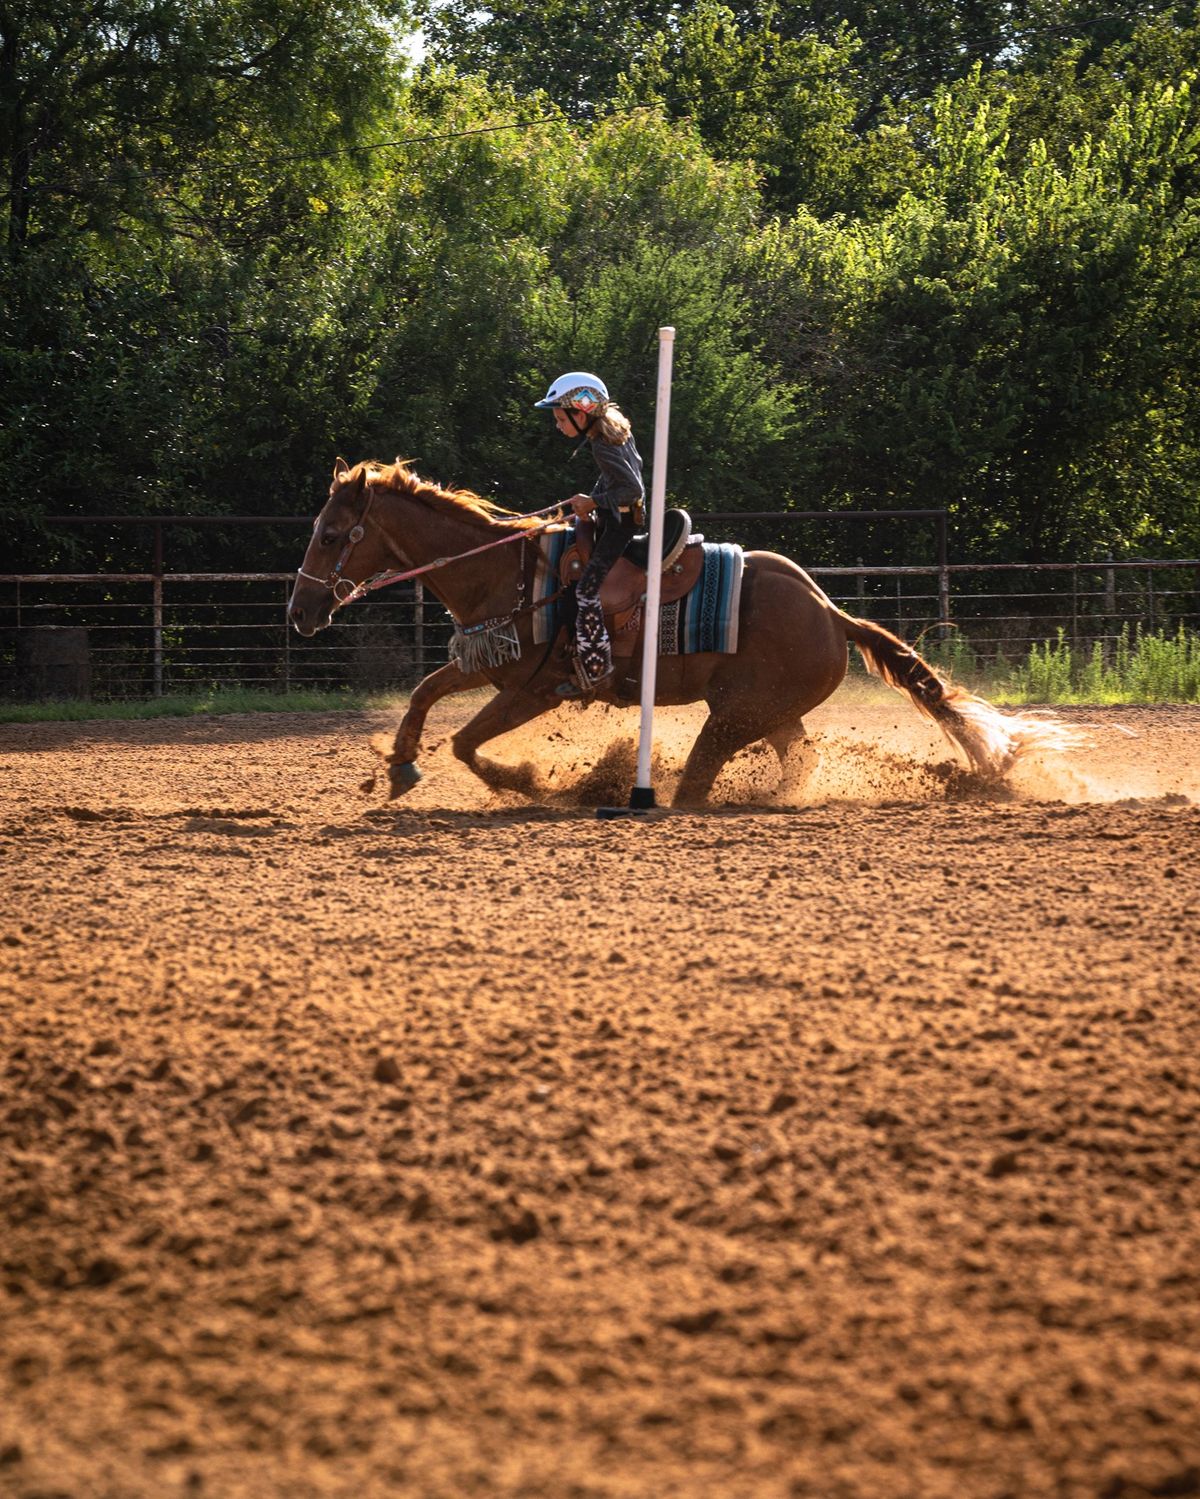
x=845 y=1145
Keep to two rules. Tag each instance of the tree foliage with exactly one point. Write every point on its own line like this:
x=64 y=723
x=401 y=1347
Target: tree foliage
x=172 y=111
x=917 y=271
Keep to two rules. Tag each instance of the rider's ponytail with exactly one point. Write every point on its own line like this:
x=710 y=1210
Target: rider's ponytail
x=612 y=425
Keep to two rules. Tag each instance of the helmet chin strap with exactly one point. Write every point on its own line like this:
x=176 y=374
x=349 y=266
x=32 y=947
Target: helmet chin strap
x=579 y=431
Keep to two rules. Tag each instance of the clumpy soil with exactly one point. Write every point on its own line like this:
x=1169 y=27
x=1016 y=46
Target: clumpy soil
x=844 y=1146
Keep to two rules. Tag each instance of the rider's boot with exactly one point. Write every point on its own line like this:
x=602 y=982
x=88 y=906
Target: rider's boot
x=593 y=671
x=583 y=685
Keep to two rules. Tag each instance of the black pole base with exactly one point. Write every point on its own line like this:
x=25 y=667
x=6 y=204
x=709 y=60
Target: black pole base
x=641 y=801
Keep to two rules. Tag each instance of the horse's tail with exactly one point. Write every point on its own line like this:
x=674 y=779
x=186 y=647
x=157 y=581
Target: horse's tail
x=992 y=741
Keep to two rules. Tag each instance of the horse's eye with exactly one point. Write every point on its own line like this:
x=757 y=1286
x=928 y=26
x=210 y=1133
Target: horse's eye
x=328 y=539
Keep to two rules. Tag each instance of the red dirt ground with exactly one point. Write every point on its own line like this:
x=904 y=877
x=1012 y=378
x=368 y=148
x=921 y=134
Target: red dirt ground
x=471 y=1146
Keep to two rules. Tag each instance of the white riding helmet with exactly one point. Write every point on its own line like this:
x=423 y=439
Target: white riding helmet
x=577 y=390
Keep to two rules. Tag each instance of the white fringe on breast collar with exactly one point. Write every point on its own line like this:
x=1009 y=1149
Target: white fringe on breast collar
x=493 y=642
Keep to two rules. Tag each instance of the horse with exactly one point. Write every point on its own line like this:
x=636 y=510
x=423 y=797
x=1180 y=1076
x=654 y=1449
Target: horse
x=479 y=560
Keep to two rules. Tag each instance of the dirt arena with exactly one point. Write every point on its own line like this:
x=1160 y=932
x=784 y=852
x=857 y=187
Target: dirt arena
x=472 y=1146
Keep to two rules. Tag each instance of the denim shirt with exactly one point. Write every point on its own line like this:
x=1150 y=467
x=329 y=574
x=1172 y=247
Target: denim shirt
x=620 y=482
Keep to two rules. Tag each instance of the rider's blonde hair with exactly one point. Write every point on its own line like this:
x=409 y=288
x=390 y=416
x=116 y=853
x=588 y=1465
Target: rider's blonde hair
x=612 y=424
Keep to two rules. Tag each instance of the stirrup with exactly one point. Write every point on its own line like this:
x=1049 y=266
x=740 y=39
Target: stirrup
x=583 y=686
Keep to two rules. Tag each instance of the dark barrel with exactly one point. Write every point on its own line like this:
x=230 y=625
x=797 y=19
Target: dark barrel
x=54 y=661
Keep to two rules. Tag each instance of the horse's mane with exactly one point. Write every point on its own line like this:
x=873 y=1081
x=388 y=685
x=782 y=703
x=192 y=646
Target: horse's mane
x=400 y=479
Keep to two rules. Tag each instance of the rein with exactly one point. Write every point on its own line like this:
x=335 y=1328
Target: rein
x=383 y=579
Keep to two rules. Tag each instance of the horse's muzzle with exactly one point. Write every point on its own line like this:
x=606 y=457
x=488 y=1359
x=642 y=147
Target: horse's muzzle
x=307 y=619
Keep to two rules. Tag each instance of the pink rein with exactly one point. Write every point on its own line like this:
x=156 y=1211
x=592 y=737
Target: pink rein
x=382 y=580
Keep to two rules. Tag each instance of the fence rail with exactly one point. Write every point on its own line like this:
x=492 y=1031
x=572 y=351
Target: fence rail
x=154 y=632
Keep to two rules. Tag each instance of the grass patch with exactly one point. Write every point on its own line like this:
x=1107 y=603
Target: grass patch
x=1138 y=667
x=189 y=705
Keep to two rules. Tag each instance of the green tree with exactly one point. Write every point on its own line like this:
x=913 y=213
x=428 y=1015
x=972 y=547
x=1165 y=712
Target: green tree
x=786 y=105
x=171 y=170
x=1017 y=346
x=573 y=54
x=108 y=103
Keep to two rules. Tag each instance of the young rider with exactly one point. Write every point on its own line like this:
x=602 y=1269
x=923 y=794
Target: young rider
x=582 y=409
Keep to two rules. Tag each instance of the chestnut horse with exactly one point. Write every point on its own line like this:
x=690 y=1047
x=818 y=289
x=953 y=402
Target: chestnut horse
x=791 y=645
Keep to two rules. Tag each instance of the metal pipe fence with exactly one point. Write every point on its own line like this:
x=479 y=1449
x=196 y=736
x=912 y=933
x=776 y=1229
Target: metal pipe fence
x=150 y=635
x=155 y=632
x=1000 y=610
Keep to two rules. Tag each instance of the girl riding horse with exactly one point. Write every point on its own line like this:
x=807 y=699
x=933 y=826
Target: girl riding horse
x=582 y=409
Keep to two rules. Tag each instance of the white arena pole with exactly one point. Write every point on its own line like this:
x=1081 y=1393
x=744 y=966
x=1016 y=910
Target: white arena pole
x=642 y=795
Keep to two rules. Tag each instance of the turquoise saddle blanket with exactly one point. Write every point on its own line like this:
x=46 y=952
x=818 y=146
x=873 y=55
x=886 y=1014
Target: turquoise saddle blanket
x=704 y=620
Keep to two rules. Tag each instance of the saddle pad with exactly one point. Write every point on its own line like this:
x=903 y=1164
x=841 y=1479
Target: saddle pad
x=551 y=546
x=706 y=619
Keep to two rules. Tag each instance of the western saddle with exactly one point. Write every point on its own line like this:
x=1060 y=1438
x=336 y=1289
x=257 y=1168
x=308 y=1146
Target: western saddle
x=624 y=588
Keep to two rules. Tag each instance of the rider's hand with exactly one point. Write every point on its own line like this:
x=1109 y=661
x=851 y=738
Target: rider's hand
x=582 y=505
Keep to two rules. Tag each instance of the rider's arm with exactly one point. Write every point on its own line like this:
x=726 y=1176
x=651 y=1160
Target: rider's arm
x=619 y=486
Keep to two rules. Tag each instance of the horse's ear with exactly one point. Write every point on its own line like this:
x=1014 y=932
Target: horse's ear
x=340 y=469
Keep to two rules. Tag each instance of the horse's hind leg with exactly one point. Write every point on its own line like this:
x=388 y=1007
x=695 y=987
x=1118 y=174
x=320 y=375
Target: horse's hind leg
x=797 y=758
x=509 y=709
x=718 y=741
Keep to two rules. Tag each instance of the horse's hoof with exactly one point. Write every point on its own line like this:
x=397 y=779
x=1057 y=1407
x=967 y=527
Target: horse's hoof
x=402 y=777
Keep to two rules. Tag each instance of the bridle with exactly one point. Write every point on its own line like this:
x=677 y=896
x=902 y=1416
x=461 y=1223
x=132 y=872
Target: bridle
x=334 y=580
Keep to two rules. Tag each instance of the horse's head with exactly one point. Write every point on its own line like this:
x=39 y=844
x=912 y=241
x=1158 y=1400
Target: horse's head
x=345 y=549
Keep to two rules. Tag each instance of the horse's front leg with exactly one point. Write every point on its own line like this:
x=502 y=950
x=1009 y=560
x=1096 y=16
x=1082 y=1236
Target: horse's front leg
x=509 y=709
x=403 y=774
